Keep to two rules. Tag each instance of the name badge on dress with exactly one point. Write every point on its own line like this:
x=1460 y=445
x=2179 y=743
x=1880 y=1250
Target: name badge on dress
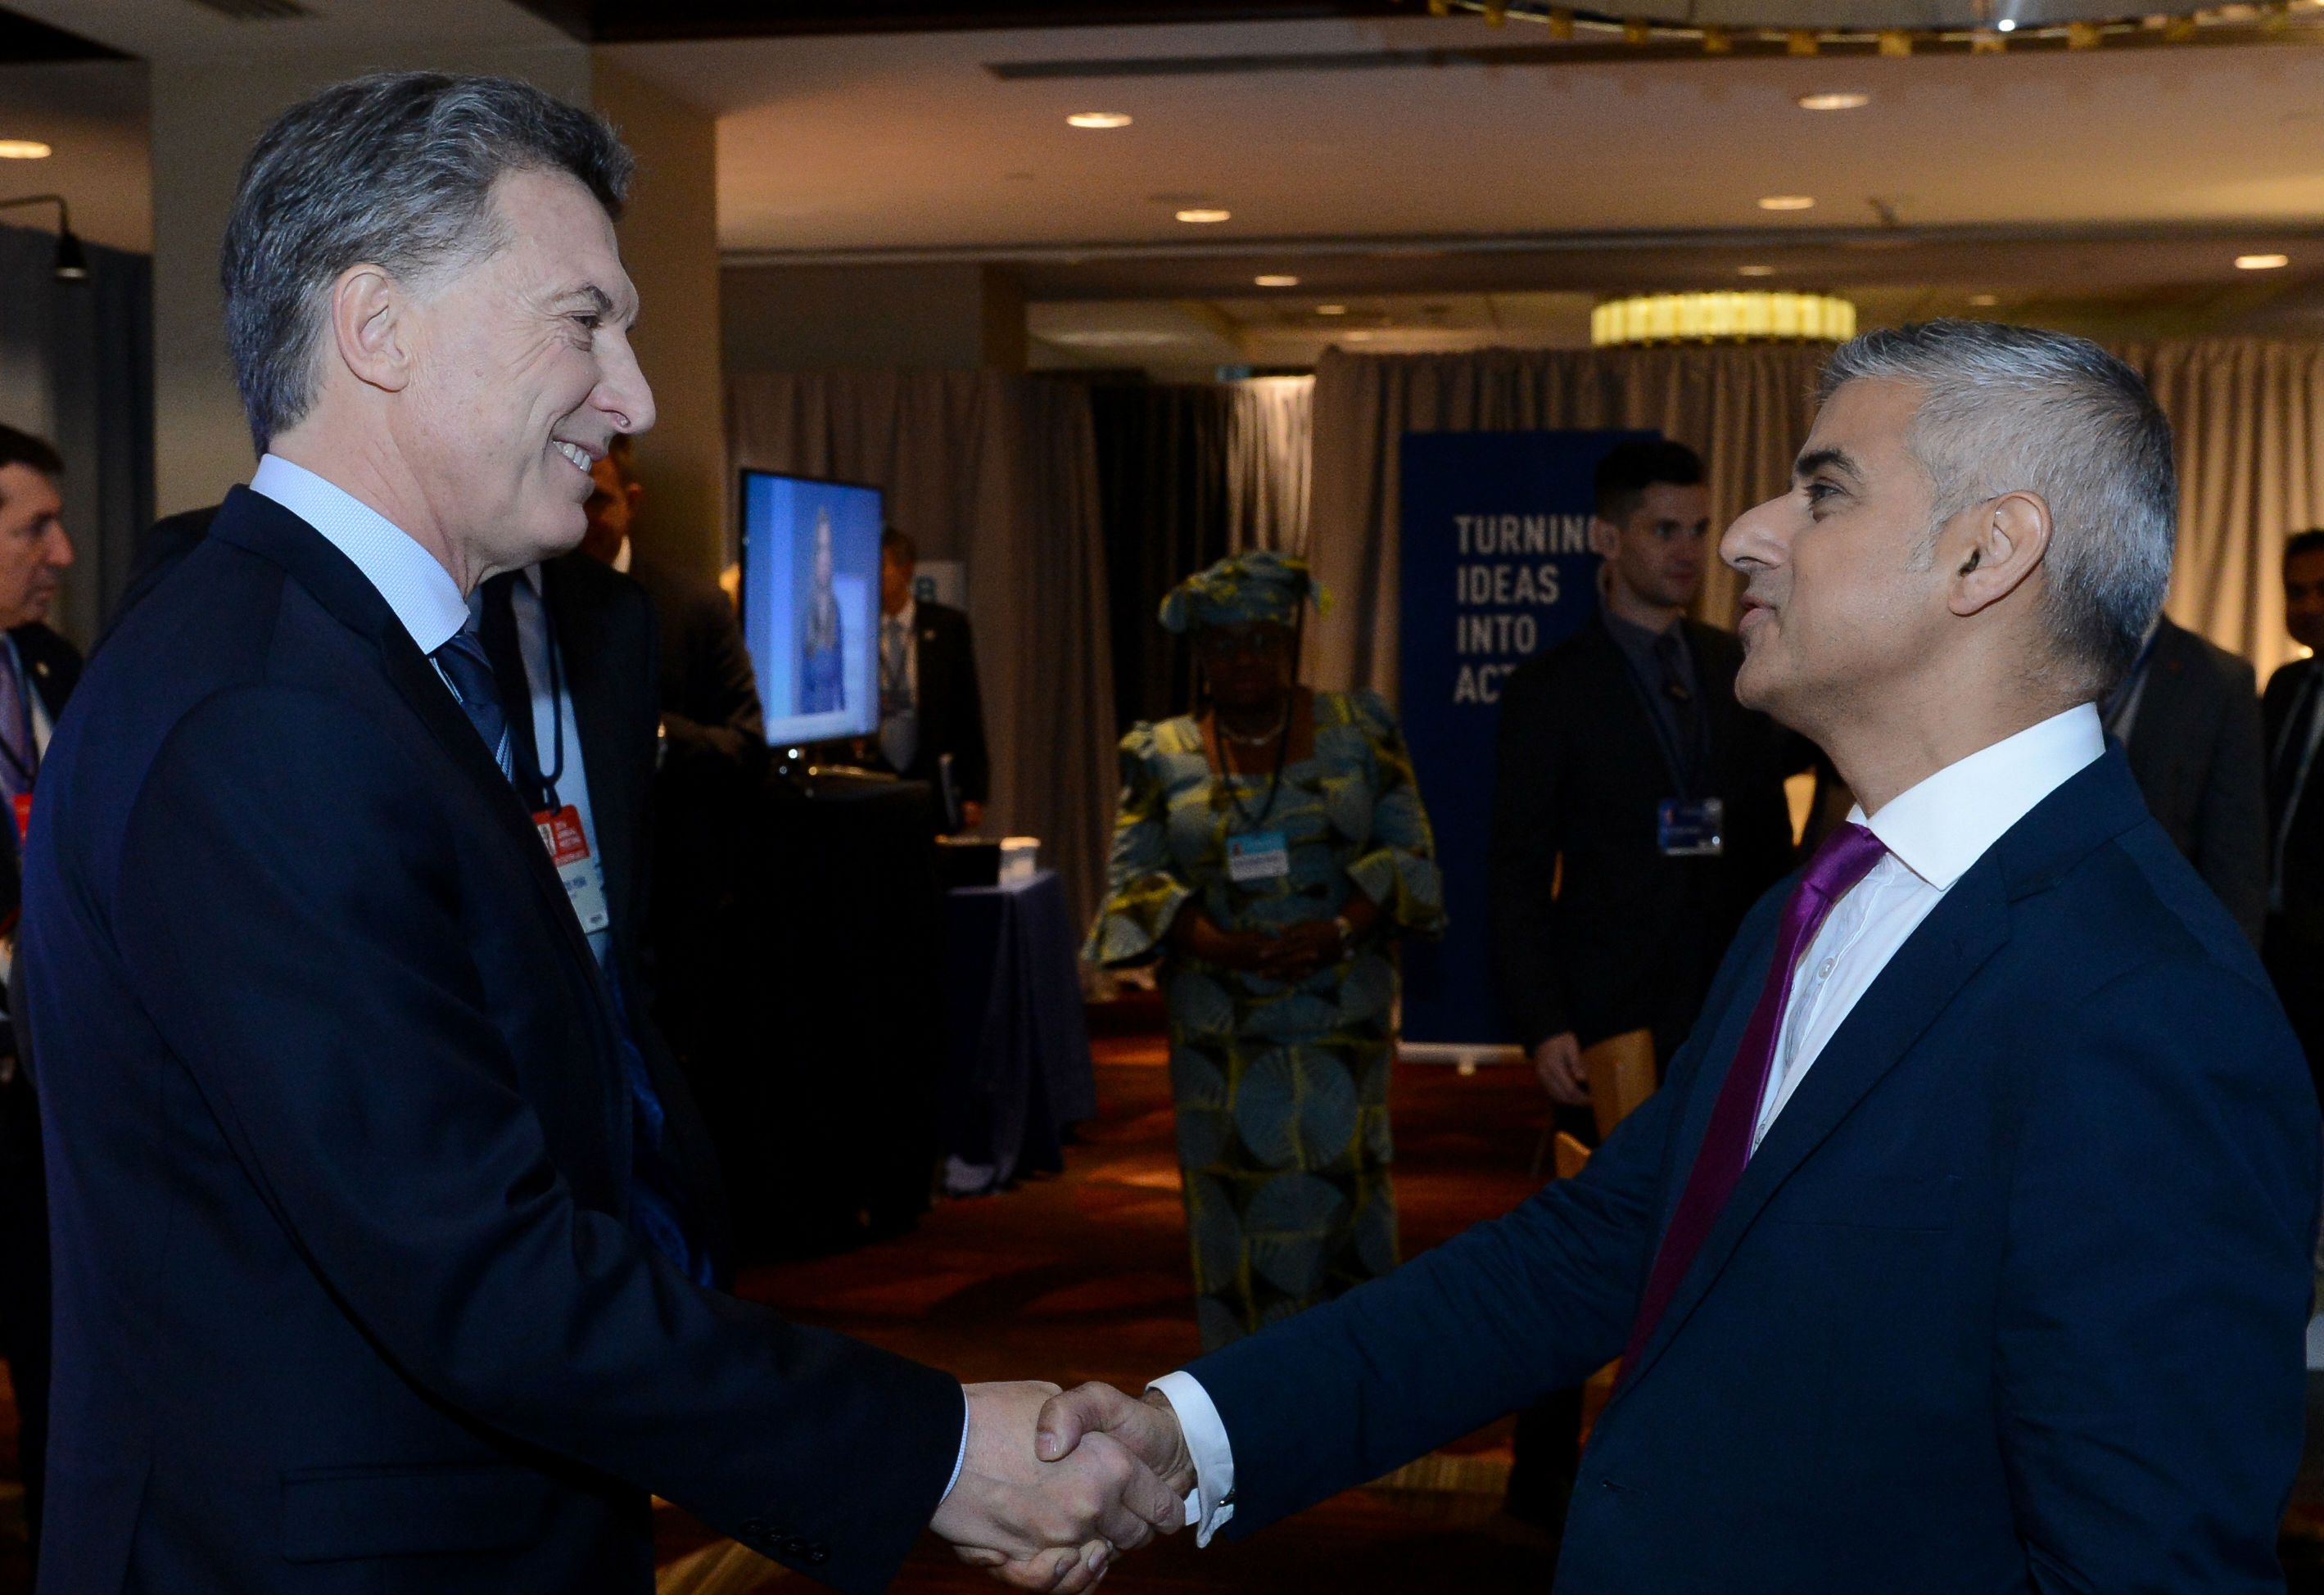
x=583 y=876
x=1691 y=828
x=1263 y=855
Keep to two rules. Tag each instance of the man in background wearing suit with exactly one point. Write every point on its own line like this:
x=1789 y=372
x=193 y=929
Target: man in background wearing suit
x=931 y=712
x=1612 y=902
x=709 y=694
x=1966 y=1246
x=2294 y=716
x=357 y=1272
x=2189 y=715
x=38 y=671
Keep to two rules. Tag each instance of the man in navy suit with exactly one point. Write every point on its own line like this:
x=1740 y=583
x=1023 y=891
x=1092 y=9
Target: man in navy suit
x=359 y=1284
x=1966 y=1246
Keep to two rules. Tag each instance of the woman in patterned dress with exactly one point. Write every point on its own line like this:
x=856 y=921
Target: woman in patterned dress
x=1267 y=852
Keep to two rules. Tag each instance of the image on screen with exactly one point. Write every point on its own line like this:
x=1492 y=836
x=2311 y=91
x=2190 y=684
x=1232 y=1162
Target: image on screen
x=811 y=604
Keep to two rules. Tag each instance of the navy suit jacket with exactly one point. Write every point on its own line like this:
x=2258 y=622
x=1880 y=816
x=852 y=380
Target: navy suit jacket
x=337 y=1147
x=2011 y=1297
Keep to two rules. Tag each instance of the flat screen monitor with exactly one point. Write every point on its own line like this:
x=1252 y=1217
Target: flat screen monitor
x=811 y=604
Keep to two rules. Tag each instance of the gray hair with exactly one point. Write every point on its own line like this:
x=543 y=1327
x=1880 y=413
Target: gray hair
x=2011 y=409
x=396 y=170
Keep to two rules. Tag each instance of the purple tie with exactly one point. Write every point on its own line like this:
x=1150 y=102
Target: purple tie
x=1846 y=857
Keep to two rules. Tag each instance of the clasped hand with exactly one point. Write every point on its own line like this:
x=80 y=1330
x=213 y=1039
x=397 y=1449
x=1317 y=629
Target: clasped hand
x=1054 y=1487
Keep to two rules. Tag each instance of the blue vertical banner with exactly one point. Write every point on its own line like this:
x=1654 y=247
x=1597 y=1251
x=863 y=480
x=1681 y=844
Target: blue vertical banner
x=1497 y=568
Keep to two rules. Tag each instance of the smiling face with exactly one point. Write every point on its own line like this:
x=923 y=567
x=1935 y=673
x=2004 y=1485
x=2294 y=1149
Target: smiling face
x=1656 y=552
x=521 y=374
x=1249 y=667
x=1843 y=600
x=33 y=548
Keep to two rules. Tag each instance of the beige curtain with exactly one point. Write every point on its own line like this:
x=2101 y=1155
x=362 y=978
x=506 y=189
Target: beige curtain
x=1271 y=452
x=1745 y=409
x=2249 y=417
x=1001 y=473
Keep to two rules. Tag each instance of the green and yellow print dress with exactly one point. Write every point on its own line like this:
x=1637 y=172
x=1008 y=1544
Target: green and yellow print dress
x=1281 y=1089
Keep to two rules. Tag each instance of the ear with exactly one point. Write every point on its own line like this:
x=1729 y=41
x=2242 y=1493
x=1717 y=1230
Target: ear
x=2002 y=542
x=1605 y=537
x=636 y=493
x=371 y=326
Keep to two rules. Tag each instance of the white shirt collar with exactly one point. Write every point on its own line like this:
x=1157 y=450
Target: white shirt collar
x=419 y=589
x=621 y=558
x=1941 y=827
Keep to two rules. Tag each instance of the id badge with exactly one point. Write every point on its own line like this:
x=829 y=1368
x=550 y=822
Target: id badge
x=577 y=866
x=1263 y=855
x=1691 y=828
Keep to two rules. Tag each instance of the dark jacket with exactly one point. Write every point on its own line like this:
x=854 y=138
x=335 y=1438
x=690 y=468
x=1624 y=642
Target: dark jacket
x=338 y=1154
x=2194 y=746
x=1625 y=939
x=709 y=693
x=951 y=704
x=2302 y=918
x=2010 y=1298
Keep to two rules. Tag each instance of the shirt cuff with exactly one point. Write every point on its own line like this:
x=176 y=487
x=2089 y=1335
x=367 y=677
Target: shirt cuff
x=959 y=1461
x=1210 y=1502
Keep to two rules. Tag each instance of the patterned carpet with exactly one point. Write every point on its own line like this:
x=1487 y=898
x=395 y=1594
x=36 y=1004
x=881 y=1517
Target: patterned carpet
x=1084 y=1275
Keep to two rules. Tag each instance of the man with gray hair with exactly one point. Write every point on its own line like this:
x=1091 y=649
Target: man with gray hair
x=360 y=1284
x=1965 y=1247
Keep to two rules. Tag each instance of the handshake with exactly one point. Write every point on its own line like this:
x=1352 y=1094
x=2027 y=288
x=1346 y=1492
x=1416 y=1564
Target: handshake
x=1055 y=1484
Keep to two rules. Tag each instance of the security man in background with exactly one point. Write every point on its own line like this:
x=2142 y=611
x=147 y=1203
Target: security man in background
x=1638 y=811
x=38 y=669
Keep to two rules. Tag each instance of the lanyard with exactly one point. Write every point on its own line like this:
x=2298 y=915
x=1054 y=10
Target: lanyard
x=1665 y=740
x=547 y=780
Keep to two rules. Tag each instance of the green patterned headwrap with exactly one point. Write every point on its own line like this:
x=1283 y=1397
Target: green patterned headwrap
x=1244 y=589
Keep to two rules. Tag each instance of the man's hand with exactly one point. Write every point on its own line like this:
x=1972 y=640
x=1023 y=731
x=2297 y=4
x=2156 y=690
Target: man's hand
x=1051 y=1526
x=1558 y=1062
x=972 y=813
x=1149 y=1429
x=1300 y=951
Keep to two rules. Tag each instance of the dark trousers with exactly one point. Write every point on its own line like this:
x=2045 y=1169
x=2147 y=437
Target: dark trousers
x=2295 y=962
x=24 y=1291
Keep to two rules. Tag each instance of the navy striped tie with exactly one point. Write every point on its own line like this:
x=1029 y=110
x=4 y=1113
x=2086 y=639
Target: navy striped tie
x=470 y=673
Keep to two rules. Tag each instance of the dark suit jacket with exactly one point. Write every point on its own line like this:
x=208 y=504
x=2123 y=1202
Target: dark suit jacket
x=2195 y=748
x=605 y=637
x=2302 y=919
x=709 y=694
x=338 y=1155
x=2011 y=1296
x=952 y=707
x=1631 y=938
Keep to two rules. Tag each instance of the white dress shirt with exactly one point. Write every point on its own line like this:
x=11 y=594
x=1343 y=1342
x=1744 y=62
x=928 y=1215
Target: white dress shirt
x=1933 y=834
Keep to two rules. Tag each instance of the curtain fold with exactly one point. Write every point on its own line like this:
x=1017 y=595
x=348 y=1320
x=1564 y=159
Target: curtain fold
x=2248 y=419
x=1269 y=462
x=1001 y=473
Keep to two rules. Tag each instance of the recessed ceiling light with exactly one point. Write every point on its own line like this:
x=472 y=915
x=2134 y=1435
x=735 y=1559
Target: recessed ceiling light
x=1331 y=309
x=22 y=149
x=1755 y=271
x=1844 y=101
x=1985 y=301
x=1787 y=202
x=2008 y=24
x=1276 y=280
x=1199 y=215
x=1097 y=119
x=2261 y=262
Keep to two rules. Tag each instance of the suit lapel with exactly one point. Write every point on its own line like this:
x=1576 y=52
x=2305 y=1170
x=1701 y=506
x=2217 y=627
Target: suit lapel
x=256 y=523
x=1925 y=975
